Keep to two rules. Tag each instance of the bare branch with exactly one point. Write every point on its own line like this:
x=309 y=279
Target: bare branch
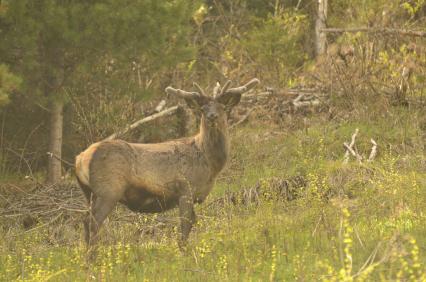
x=261 y=95
x=160 y=106
x=298 y=5
x=308 y=101
x=136 y=124
x=373 y=152
x=53 y=155
x=350 y=146
x=298 y=98
x=243 y=119
x=415 y=33
x=351 y=150
x=315 y=102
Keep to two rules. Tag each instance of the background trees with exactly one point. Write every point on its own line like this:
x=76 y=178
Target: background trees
x=8 y=83
x=65 y=49
x=89 y=67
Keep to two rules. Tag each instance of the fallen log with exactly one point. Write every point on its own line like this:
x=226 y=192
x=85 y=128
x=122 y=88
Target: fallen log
x=270 y=92
x=416 y=33
x=303 y=100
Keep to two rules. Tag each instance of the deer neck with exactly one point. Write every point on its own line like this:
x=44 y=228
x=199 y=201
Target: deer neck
x=214 y=143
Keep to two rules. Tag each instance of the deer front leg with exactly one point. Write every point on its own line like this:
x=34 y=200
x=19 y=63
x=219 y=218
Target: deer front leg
x=187 y=217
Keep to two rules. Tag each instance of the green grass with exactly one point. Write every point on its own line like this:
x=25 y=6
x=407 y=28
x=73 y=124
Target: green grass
x=353 y=222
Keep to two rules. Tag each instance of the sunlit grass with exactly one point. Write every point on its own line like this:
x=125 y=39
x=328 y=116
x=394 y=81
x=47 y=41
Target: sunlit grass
x=352 y=223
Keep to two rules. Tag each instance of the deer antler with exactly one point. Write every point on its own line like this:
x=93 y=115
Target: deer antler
x=225 y=87
x=242 y=89
x=238 y=90
x=181 y=93
x=194 y=100
x=216 y=89
x=199 y=89
x=185 y=94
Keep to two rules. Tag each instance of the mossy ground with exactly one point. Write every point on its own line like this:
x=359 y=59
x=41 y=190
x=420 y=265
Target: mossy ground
x=354 y=222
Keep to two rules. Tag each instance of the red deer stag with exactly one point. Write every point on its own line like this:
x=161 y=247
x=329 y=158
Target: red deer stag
x=153 y=178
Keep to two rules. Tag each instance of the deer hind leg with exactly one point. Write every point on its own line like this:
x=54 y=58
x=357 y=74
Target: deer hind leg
x=87 y=192
x=187 y=218
x=101 y=207
x=90 y=197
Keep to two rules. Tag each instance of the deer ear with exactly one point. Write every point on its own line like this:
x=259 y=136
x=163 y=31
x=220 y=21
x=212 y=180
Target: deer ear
x=229 y=99
x=194 y=103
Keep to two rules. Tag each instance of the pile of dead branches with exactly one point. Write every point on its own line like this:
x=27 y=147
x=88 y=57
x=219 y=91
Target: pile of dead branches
x=293 y=97
x=65 y=201
x=274 y=103
x=43 y=203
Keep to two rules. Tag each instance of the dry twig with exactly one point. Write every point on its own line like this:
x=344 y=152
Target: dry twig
x=373 y=152
x=243 y=119
x=351 y=151
x=349 y=147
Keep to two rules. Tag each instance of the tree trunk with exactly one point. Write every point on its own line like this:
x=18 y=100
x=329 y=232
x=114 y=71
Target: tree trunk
x=55 y=142
x=181 y=122
x=320 y=24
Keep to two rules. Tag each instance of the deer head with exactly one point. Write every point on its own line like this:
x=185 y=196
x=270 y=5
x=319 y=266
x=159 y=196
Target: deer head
x=214 y=109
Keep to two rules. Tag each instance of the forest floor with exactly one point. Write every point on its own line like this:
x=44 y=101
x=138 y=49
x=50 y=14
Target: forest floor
x=352 y=222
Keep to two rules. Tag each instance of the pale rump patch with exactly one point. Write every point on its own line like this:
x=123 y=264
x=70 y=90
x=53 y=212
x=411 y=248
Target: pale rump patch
x=82 y=163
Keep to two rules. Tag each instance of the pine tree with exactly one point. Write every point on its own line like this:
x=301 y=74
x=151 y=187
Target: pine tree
x=51 y=44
